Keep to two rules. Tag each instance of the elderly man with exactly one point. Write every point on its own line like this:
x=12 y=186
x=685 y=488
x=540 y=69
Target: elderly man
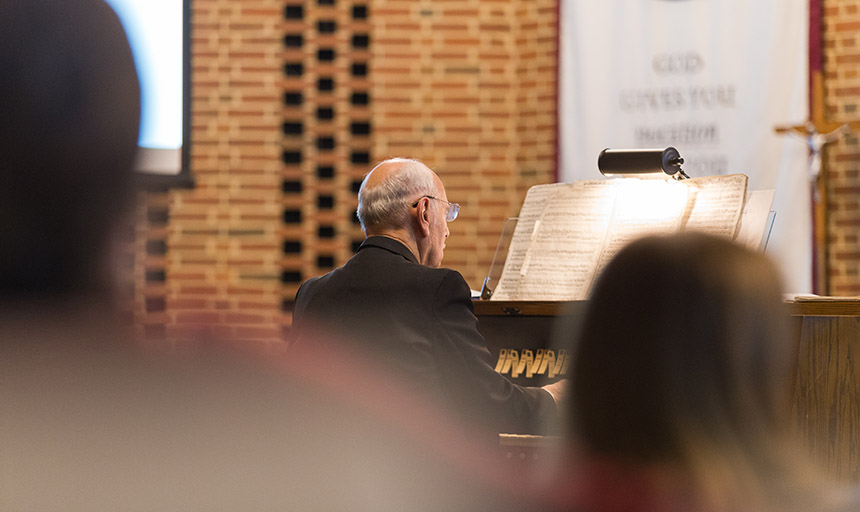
x=393 y=302
x=89 y=422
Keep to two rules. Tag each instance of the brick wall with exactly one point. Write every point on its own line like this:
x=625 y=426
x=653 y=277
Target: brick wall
x=469 y=88
x=841 y=74
x=295 y=100
x=209 y=258
x=293 y=103
x=327 y=134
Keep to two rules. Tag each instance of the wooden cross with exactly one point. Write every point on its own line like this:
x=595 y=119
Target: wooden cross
x=817 y=133
x=815 y=142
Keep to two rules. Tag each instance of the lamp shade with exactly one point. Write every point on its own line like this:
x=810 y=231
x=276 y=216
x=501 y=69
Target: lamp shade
x=614 y=162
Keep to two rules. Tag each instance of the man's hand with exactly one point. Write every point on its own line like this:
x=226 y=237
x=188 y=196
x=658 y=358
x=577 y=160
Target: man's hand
x=558 y=390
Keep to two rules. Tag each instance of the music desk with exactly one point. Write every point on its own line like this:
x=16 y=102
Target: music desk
x=826 y=337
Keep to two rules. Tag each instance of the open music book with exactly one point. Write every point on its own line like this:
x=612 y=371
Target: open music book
x=568 y=232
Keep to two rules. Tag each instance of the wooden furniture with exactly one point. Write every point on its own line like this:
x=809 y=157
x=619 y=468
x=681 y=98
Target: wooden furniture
x=826 y=395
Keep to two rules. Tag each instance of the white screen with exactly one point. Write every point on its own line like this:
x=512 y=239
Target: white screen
x=154 y=29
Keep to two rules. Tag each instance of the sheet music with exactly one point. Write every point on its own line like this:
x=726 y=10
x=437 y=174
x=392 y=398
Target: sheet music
x=530 y=213
x=567 y=233
x=643 y=207
x=554 y=252
x=717 y=204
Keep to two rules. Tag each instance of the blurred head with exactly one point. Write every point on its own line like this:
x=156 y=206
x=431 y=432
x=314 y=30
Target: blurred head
x=70 y=107
x=683 y=352
x=404 y=197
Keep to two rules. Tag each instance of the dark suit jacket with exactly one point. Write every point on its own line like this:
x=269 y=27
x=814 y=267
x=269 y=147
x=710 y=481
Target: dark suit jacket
x=419 y=322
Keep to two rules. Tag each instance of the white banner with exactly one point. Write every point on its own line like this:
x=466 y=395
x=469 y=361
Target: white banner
x=709 y=77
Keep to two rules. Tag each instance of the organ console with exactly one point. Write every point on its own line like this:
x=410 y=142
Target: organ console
x=825 y=390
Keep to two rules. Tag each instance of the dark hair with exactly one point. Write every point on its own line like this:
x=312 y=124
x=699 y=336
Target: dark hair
x=70 y=110
x=682 y=332
x=684 y=361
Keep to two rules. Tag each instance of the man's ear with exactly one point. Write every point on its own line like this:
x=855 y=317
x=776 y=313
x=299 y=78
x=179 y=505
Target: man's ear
x=422 y=216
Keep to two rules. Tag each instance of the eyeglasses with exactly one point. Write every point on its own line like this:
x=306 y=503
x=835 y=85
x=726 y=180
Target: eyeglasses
x=453 y=208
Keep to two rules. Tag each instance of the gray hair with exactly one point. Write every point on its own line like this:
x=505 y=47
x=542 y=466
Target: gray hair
x=387 y=204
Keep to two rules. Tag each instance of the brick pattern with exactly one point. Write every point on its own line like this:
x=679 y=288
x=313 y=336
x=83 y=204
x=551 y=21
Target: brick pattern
x=468 y=87
x=326 y=135
x=841 y=37
x=209 y=258
x=295 y=100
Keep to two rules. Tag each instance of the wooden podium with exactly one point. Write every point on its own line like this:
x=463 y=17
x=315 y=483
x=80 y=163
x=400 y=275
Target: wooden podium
x=826 y=388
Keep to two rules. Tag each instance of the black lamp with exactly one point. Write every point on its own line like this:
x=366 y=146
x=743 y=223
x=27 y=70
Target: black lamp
x=637 y=162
